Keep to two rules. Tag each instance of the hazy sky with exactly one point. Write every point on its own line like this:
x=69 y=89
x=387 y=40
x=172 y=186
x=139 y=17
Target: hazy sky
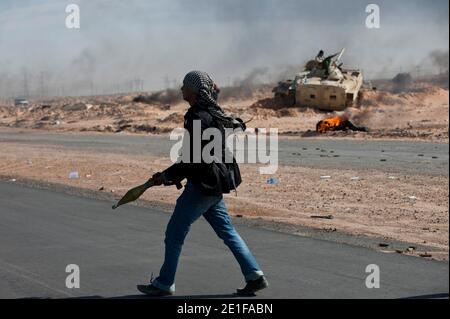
x=152 y=40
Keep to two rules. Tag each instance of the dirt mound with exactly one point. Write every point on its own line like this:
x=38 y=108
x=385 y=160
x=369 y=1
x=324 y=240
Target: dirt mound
x=243 y=92
x=267 y=103
x=385 y=98
x=376 y=98
x=74 y=107
x=286 y=112
x=150 y=129
x=164 y=97
x=127 y=127
x=273 y=103
x=172 y=118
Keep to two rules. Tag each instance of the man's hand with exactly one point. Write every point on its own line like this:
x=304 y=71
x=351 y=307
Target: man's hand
x=158 y=179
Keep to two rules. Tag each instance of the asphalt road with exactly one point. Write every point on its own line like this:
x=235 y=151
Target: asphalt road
x=394 y=156
x=41 y=232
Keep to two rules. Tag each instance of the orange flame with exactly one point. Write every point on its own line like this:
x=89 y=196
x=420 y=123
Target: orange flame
x=329 y=124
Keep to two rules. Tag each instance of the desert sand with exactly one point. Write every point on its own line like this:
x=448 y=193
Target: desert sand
x=420 y=113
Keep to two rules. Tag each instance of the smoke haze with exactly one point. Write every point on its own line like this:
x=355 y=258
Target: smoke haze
x=149 y=45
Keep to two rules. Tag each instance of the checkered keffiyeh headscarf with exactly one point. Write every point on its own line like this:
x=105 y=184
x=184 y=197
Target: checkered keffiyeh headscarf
x=201 y=83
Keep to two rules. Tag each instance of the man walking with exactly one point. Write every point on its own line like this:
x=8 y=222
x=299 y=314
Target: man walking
x=202 y=196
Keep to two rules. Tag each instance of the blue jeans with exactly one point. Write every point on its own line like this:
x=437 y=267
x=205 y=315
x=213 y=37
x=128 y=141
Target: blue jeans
x=189 y=207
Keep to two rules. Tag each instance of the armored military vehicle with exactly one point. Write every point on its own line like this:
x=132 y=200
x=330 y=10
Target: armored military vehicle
x=324 y=85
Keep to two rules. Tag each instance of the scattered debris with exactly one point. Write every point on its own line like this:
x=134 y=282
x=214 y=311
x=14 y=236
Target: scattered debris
x=12 y=180
x=272 y=181
x=322 y=217
x=325 y=177
x=74 y=175
x=412 y=197
x=411 y=249
x=123 y=127
x=426 y=255
x=75 y=107
x=355 y=178
x=146 y=128
x=387 y=251
x=101 y=188
x=103 y=128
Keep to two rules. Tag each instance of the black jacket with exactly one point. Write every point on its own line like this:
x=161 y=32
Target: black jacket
x=214 y=178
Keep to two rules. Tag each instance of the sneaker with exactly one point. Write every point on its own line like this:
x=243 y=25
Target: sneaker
x=153 y=291
x=253 y=286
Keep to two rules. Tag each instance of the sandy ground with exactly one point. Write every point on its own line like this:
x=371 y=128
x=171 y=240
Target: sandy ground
x=420 y=113
x=374 y=205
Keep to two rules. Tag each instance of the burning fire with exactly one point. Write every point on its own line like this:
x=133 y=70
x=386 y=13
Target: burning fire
x=330 y=124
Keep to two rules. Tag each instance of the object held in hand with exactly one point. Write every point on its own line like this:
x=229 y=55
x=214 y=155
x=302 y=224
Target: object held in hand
x=134 y=193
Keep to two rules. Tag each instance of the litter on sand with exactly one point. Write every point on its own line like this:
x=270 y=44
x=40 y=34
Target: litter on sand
x=272 y=181
x=74 y=175
x=322 y=217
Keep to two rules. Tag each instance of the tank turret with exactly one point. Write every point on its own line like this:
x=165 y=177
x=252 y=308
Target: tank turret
x=323 y=85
